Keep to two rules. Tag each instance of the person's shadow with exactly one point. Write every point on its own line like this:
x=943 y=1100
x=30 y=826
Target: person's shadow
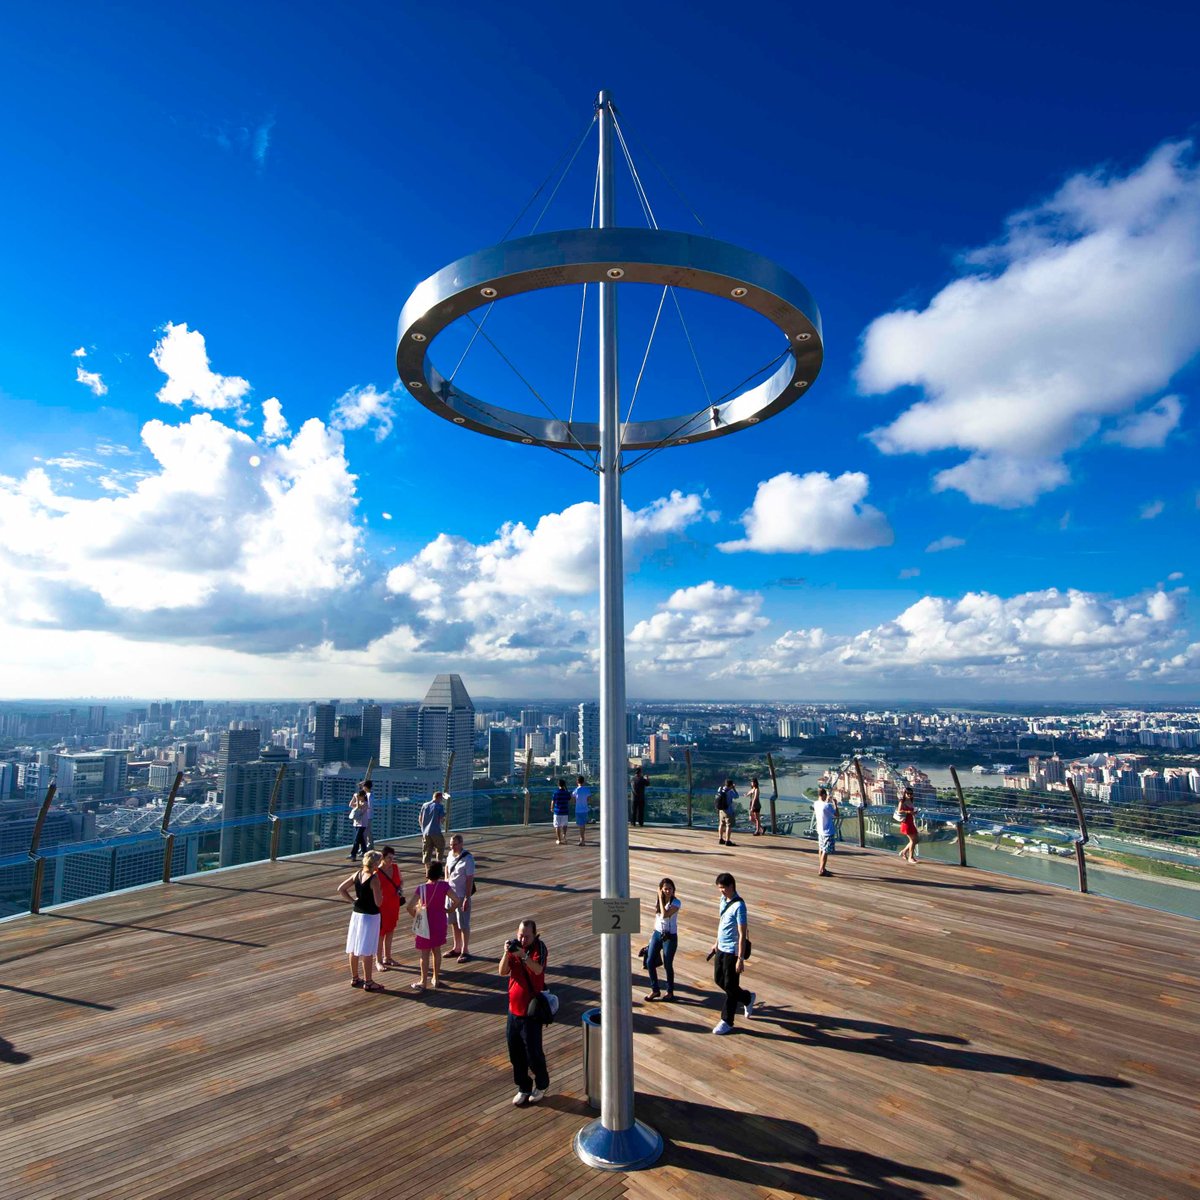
x=770 y=1152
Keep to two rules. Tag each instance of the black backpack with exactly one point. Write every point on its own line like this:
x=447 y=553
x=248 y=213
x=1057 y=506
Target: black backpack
x=722 y=799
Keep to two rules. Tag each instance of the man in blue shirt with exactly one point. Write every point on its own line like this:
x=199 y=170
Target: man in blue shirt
x=560 y=810
x=730 y=952
x=430 y=818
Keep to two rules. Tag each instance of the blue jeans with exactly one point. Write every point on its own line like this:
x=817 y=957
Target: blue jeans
x=667 y=943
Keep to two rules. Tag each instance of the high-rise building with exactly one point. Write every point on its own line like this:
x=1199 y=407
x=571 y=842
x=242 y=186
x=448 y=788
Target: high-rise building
x=372 y=729
x=398 y=738
x=632 y=728
x=98 y=775
x=564 y=748
x=588 y=738
x=445 y=723
x=247 y=789
x=235 y=746
x=531 y=718
x=325 y=747
x=499 y=754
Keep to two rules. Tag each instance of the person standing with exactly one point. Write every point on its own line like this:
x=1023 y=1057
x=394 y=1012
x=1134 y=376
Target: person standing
x=825 y=819
x=365 y=786
x=560 y=811
x=433 y=840
x=360 y=818
x=363 y=890
x=433 y=897
x=391 y=883
x=664 y=940
x=523 y=960
x=460 y=873
x=755 y=806
x=906 y=814
x=730 y=952
x=637 y=788
x=583 y=807
x=726 y=795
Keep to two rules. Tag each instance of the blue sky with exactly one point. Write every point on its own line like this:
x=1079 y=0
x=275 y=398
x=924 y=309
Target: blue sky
x=210 y=484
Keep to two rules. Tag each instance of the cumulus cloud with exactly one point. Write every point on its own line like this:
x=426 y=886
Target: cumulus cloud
x=696 y=625
x=363 y=406
x=1032 y=637
x=909 y=572
x=81 y=352
x=811 y=514
x=1085 y=309
x=92 y=381
x=1150 y=428
x=275 y=425
x=1153 y=509
x=949 y=542
x=181 y=355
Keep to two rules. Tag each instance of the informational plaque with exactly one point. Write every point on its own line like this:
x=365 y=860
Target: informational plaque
x=616 y=914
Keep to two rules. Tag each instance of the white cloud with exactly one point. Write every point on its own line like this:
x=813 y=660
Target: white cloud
x=262 y=141
x=949 y=542
x=181 y=355
x=811 y=514
x=386 y=516
x=1089 y=306
x=1026 y=640
x=92 y=381
x=909 y=572
x=1150 y=428
x=275 y=425
x=81 y=352
x=1175 y=576
x=696 y=625
x=361 y=406
x=1153 y=509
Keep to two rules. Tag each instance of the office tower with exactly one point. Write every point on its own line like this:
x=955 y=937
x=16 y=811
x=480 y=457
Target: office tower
x=187 y=755
x=752 y=729
x=531 y=718
x=325 y=747
x=96 y=718
x=398 y=738
x=162 y=775
x=372 y=729
x=8 y=779
x=247 y=792
x=631 y=728
x=589 y=738
x=94 y=776
x=445 y=723
x=564 y=748
x=235 y=746
x=499 y=754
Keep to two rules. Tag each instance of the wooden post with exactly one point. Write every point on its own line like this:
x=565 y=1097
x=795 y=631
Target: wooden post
x=687 y=758
x=774 y=791
x=167 y=835
x=862 y=808
x=272 y=816
x=446 y=788
x=962 y=819
x=1080 y=861
x=39 y=863
x=525 y=783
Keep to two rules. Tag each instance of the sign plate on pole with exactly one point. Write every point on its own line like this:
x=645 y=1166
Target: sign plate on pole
x=615 y=914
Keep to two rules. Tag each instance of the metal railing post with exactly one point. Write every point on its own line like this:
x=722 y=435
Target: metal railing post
x=962 y=819
x=1080 y=861
x=862 y=808
x=39 y=863
x=165 y=833
x=687 y=757
x=272 y=816
x=525 y=782
x=774 y=791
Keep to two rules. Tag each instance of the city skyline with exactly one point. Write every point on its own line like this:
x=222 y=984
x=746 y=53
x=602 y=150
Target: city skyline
x=984 y=499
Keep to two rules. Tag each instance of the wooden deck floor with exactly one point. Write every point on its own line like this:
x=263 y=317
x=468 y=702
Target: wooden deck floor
x=924 y=1031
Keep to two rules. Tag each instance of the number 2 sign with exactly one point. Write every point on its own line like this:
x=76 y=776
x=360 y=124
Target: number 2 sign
x=616 y=914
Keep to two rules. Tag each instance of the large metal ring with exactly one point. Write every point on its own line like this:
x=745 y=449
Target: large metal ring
x=604 y=256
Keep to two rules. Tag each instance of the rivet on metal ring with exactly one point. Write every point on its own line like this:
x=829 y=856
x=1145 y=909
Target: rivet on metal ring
x=614 y=272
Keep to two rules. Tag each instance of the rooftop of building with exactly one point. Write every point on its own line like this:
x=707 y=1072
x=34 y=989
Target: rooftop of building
x=923 y=1031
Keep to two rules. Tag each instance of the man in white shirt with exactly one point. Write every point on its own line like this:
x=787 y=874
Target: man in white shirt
x=460 y=874
x=825 y=818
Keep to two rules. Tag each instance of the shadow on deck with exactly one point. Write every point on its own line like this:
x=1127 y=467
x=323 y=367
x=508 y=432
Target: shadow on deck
x=922 y=1031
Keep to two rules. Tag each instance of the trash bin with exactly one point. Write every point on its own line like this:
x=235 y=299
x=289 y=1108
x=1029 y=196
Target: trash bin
x=591 y=1056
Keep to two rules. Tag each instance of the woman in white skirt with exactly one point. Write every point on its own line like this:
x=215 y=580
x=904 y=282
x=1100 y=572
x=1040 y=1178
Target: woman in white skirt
x=364 y=891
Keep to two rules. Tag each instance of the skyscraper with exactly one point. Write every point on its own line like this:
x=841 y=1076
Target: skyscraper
x=236 y=746
x=589 y=738
x=445 y=723
x=325 y=748
x=499 y=754
x=247 y=792
x=372 y=722
x=398 y=738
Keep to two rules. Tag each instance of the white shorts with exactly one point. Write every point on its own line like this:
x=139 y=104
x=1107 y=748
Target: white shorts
x=560 y=820
x=362 y=938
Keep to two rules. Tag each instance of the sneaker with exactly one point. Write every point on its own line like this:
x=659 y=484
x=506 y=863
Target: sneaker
x=722 y=1027
x=536 y=1095
x=748 y=1007
x=520 y=1100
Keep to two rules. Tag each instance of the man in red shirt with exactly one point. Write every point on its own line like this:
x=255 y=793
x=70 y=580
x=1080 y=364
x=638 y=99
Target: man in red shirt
x=523 y=960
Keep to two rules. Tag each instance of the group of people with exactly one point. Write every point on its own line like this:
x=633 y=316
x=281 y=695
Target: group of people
x=561 y=803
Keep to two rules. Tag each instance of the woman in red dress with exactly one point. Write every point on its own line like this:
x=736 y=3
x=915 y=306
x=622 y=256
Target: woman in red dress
x=906 y=808
x=391 y=886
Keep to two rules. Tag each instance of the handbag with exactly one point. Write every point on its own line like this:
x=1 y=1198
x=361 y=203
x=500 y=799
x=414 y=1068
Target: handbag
x=898 y=815
x=543 y=1008
x=421 y=920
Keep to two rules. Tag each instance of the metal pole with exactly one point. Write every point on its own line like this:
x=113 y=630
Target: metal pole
x=616 y=1141
x=962 y=819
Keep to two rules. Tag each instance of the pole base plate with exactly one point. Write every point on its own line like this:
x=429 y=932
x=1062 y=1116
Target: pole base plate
x=618 y=1149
